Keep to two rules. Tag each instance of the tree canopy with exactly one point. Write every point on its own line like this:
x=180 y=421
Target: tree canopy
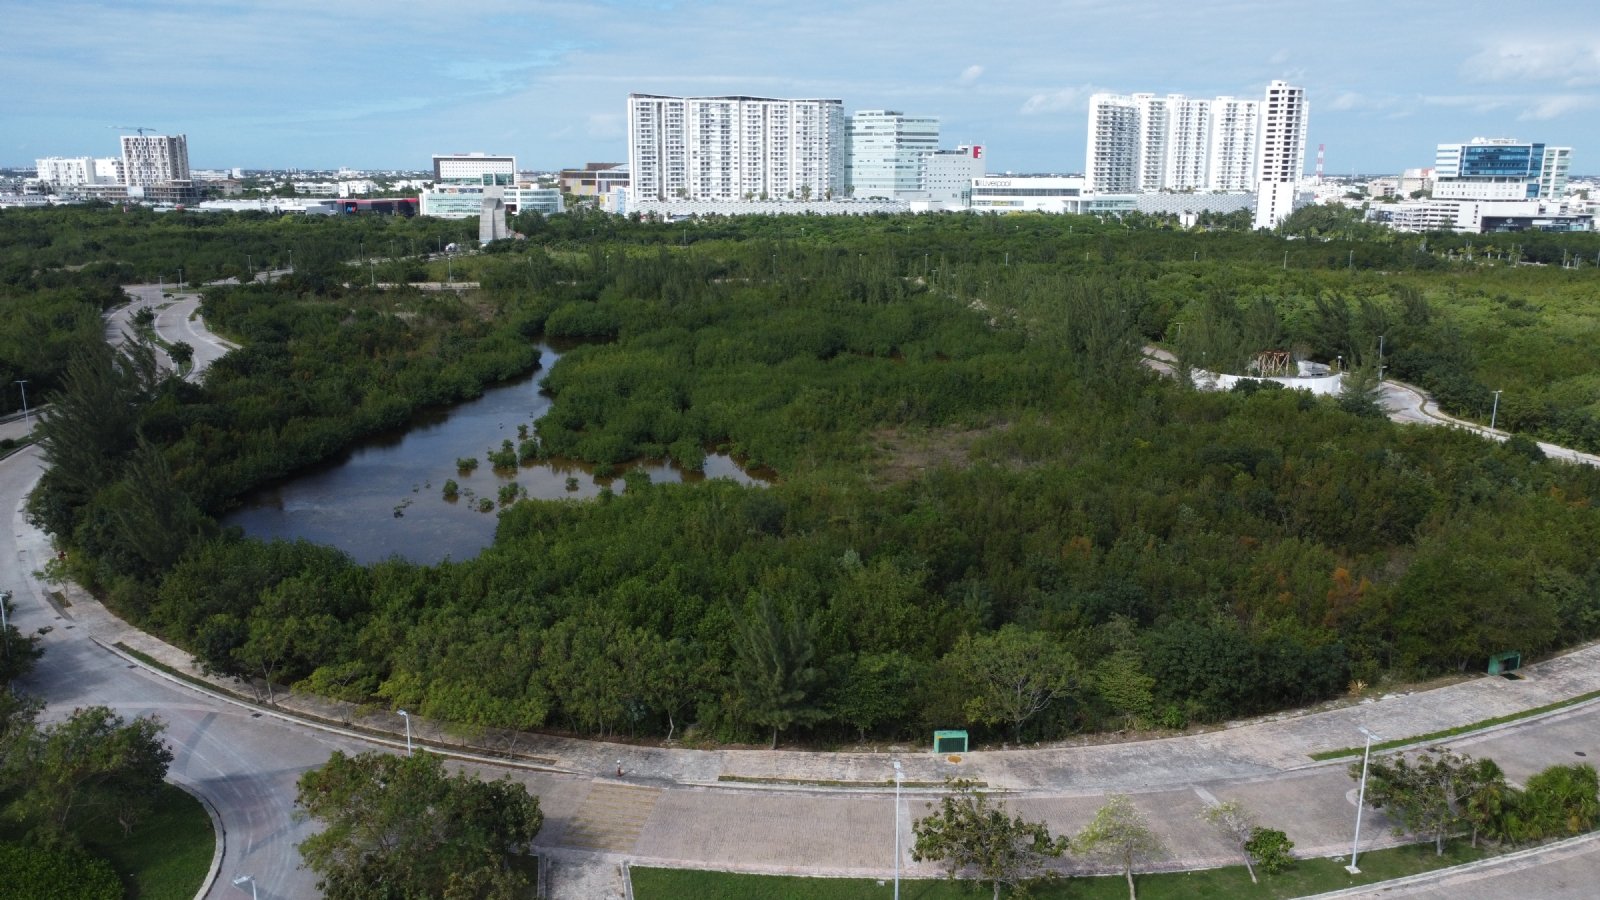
x=401 y=827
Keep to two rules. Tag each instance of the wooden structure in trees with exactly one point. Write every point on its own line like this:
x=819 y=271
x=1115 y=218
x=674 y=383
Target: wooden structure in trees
x=1274 y=364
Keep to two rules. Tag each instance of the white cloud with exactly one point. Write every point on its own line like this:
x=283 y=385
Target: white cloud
x=1557 y=106
x=1572 y=62
x=970 y=74
x=605 y=126
x=1069 y=99
x=1347 y=100
x=1478 y=103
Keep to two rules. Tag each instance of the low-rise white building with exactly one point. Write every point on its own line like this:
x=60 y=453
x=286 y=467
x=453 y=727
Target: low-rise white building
x=1044 y=193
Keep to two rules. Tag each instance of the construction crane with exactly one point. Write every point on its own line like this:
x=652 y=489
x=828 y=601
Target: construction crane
x=139 y=128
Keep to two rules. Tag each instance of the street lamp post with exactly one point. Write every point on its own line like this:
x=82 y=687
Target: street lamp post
x=1494 y=413
x=898 y=776
x=1380 y=357
x=407 y=716
x=22 y=383
x=1361 y=800
x=242 y=880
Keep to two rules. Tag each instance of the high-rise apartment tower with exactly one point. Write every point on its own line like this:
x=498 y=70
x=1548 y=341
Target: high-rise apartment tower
x=154 y=159
x=734 y=148
x=1283 y=152
x=1151 y=142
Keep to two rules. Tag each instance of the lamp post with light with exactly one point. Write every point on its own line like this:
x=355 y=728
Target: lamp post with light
x=899 y=775
x=1361 y=800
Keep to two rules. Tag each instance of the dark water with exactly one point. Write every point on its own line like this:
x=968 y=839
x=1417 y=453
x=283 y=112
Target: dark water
x=352 y=504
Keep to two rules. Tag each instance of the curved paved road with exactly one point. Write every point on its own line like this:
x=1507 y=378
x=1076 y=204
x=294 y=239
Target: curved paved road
x=671 y=808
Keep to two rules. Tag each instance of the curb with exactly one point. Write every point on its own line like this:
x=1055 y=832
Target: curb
x=221 y=838
x=392 y=743
x=1464 y=868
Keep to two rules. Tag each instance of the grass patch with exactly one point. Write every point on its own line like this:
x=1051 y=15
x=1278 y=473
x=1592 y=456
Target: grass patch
x=167 y=856
x=154 y=663
x=827 y=782
x=1309 y=876
x=1458 y=730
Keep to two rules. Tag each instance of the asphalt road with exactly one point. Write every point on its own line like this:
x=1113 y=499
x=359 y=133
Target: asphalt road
x=246 y=766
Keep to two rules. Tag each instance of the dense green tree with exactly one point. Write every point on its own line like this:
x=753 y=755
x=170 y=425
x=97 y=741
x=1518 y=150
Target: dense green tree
x=1429 y=795
x=1561 y=801
x=1012 y=675
x=401 y=827
x=968 y=834
x=92 y=765
x=776 y=681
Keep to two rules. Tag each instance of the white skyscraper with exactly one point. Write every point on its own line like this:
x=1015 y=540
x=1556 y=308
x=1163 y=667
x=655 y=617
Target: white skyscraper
x=1184 y=165
x=1235 y=132
x=885 y=152
x=1149 y=142
x=1111 y=162
x=734 y=148
x=1283 y=152
x=154 y=159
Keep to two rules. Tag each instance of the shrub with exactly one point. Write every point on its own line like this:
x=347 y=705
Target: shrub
x=1271 y=849
x=57 y=873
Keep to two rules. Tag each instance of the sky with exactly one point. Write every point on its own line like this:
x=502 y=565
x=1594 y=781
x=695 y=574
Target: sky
x=382 y=84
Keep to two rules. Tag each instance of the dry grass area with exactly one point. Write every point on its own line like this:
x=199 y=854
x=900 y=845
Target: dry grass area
x=906 y=454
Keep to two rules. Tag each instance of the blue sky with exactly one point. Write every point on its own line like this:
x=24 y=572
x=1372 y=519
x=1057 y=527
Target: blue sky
x=387 y=83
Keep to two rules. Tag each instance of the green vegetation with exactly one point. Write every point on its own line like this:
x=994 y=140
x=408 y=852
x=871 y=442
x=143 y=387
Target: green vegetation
x=1309 y=876
x=1438 y=793
x=167 y=855
x=969 y=836
x=87 y=812
x=400 y=827
x=973 y=473
x=61 y=268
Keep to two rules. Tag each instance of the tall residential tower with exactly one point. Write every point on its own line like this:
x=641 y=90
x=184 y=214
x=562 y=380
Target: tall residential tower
x=1149 y=142
x=149 y=160
x=1283 y=152
x=734 y=148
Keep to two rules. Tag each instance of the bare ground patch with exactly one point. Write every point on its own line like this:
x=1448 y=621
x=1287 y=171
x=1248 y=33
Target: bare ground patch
x=905 y=454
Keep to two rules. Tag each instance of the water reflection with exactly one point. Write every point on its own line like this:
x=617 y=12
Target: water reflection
x=385 y=497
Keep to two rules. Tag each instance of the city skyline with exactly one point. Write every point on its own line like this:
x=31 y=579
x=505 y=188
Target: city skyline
x=378 y=86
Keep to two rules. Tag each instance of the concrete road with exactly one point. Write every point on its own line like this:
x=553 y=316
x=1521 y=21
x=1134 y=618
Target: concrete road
x=244 y=764
x=177 y=319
